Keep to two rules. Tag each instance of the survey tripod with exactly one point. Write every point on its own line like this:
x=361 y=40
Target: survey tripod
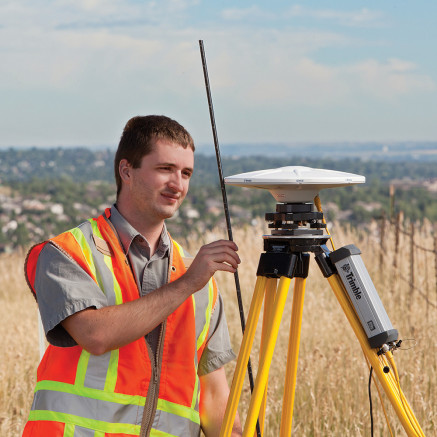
x=298 y=230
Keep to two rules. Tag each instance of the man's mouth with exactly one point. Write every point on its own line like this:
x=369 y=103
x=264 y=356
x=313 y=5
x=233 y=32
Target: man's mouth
x=171 y=196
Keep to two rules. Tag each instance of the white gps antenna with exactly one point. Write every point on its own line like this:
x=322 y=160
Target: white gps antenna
x=294 y=184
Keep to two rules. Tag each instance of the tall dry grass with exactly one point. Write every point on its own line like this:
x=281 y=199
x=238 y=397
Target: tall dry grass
x=331 y=393
x=19 y=345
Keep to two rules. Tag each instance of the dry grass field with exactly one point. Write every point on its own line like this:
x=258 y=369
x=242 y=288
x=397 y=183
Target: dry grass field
x=331 y=394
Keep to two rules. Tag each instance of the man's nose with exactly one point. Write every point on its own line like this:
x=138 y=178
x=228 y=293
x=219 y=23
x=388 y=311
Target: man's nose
x=176 y=182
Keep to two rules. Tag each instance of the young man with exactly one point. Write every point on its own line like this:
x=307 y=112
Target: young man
x=138 y=333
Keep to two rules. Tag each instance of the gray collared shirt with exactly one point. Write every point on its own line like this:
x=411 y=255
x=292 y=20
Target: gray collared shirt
x=150 y=271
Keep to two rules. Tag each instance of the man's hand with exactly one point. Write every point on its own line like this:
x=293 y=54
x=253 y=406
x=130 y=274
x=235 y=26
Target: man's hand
x=220 y=255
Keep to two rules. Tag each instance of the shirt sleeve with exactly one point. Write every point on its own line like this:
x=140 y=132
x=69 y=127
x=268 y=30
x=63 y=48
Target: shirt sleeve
x=218 y=350
x=63 y=288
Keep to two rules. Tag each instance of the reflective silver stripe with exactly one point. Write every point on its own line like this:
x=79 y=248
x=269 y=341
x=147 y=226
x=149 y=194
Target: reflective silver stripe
x=175 y=425
x=79 y=431
x=89 y=408
x=97 y=370
x=104 y=275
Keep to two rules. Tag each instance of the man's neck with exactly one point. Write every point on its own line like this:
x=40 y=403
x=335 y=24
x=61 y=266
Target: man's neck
x=150 y=230
x=152 y=235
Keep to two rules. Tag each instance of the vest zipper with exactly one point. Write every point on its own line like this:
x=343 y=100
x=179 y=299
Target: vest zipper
x=153 y=391
x=155 y=361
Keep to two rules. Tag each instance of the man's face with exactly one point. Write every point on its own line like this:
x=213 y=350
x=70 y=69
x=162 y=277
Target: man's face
x=158 y=187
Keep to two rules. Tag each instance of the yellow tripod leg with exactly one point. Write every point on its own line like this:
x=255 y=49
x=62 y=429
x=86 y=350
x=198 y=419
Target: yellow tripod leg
x=292 y=357
x=267 y=317
x=263 y=371
x=409 y=412
x=400 y=405
x=243 y=357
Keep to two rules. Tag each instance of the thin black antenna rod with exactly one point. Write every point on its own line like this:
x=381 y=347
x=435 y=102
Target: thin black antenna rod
x=222 y=183
x=225 y=205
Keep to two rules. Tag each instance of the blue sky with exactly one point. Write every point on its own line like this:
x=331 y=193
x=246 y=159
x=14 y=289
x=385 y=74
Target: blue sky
x=73 y=71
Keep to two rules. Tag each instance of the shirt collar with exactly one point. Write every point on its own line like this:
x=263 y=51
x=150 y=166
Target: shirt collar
x=127 y=232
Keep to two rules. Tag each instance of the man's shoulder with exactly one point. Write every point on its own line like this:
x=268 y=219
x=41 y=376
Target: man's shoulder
x=50 y=247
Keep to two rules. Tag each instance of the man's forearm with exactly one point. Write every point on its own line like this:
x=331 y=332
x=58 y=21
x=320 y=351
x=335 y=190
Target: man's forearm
x=214 y=397
x=108 y=328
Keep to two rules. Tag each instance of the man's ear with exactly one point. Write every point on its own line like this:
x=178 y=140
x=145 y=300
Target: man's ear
x=124 y=168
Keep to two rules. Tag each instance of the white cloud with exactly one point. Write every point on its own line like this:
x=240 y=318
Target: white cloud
x=363 y=17
x=277 y=70
x=390 y=79
x=359 y=18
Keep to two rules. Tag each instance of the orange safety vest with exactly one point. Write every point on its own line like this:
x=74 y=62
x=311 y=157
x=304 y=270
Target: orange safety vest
x=79 y=394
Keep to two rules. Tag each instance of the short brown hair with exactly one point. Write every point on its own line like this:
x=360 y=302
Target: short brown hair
x=139 y=136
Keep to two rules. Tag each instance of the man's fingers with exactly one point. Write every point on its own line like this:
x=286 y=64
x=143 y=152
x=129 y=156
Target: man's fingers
x=218 y=255
x=222 y=254
x=224 y=267
x=220 y=243
x=220 y=247
x=227 y=259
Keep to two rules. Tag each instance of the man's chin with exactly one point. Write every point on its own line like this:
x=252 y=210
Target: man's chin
x=167 y=213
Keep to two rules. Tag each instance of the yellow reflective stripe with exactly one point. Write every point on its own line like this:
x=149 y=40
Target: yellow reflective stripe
x=111 y=376
x=179 y=247
x=86 y=250
x=208 y=310
x=194 y=305
x=69 y=430
x=121 y=428
x=108 y=262
x=179 y=410
x=157 y=433
x=81 y=368
x=196 y=388
x=99 y=434
x=117 y=288
x=92 y=393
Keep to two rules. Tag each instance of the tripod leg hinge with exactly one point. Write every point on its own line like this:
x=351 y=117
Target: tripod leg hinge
x=289 y=265
x=275 y=265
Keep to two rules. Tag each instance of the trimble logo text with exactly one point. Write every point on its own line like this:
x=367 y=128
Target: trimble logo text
x=356 y=290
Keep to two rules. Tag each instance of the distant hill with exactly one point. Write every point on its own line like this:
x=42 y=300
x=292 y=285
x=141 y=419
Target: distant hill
x=86 y=164
x=45 y=191
x=383 y=151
